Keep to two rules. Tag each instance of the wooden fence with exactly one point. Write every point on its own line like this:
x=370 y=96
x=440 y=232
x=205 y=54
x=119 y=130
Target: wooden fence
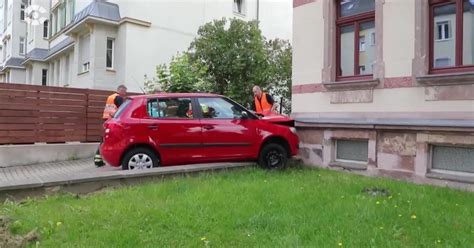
x=44 y=114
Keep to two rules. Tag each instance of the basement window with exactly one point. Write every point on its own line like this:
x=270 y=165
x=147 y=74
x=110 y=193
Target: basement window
x=353 y=151
x=451 y=158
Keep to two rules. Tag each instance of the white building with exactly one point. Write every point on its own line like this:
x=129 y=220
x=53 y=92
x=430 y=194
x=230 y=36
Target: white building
x=100 y=44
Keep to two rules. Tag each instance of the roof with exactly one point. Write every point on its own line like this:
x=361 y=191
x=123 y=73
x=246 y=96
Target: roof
x=37 y=54
x=100 y=9
x=60 y=46
x=177 y=95
x=13 y=62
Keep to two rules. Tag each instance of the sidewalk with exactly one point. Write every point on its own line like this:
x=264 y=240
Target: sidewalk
x=63 y=175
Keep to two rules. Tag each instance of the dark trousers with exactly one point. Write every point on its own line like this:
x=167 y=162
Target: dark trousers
x=98 y=158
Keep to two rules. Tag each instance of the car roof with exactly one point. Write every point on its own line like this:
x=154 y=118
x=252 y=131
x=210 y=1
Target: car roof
x=175 y=95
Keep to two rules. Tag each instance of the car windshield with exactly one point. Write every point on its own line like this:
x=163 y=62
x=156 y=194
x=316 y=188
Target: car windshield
x=122 y=108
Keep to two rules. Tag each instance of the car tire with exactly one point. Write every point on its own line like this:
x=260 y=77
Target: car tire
x=140 y=158
x=273 y=157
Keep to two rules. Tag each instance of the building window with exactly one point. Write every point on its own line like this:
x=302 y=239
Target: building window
x=239 y=7
x=4 y=50
x=451 y=36
x=442 y=62
x=45 y=29
x=44 y=77
x=362 y=43
x=443 y=30
x=450 y=158
x=352 y=151
x=84 y=53
x=22 y=11
x=355 y=21
x=110 y=53
x=22 y=45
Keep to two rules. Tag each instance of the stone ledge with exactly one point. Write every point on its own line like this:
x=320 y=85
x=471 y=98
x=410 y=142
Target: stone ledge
x=446 y=79
x=352 y=85
x=450 y=177
x=348 y=165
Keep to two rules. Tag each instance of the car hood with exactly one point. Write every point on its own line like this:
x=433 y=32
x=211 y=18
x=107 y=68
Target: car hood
x=278 y=119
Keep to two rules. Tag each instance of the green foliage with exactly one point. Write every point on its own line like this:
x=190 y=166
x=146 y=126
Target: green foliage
x=181 y=76
x=234 y=53
x=279 y=71
x=229 y=57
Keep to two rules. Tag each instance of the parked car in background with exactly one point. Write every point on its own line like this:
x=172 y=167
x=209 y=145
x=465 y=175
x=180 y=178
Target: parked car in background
x=180 y=128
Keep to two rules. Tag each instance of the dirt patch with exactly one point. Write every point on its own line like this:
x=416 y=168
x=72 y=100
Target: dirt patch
x=8 y=240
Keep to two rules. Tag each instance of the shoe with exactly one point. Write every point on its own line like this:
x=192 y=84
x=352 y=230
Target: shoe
x=98 y=161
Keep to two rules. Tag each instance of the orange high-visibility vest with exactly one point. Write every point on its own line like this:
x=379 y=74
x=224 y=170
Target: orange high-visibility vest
x=262 y=106
x=110 y=107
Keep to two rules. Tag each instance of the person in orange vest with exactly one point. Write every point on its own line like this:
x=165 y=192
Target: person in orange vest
x=113 y=102
x=111 y=106
x=263 y=102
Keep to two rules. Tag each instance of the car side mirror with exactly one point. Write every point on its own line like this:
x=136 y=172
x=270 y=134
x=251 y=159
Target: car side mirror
x=245 y=115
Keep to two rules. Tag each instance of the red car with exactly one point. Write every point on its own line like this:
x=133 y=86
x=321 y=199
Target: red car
x=170 y=129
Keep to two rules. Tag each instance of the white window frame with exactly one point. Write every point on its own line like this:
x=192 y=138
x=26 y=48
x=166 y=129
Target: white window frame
x=362 y=43
x=86 y=66
x=243 y=7
x=22 y=11
x=444 y=36
x=47 y=22
x=113 y=53
x=22 y=50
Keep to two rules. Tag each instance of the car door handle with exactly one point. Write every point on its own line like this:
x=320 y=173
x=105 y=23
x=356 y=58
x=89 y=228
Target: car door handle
x=208 y=127
x=153 y=127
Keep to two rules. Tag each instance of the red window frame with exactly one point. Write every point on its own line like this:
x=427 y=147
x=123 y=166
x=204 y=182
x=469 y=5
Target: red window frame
x=458 y=67
x=355 y=20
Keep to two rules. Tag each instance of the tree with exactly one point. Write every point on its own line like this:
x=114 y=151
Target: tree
x=181 y=76
x=234 y=55
x=279 y=71
x=229 y=57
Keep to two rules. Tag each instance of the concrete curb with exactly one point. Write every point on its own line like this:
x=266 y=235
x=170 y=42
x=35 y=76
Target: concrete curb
x=93 y=182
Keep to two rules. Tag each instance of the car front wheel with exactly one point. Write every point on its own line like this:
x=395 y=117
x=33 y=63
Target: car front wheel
x=140 y=158
x=273 y=157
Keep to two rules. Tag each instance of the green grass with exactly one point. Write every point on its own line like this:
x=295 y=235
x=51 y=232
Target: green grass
x=252 y=207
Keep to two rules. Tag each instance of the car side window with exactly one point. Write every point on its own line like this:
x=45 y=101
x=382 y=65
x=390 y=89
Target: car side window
x=170 y=108
x=219 y=108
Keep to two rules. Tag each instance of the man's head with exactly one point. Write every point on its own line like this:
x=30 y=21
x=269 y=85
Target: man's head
x=257 y=91
x=122 y=90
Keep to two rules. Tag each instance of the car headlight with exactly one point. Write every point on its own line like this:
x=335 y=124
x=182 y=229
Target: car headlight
x=293 y=130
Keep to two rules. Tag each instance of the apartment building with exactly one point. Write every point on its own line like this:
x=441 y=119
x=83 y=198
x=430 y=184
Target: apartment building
x=100 y=44
x=386 y=86
x=13 y=40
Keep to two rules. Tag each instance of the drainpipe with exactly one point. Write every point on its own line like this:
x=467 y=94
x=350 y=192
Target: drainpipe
x=258 y=11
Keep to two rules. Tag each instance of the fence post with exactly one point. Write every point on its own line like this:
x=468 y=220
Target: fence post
x=281 y=105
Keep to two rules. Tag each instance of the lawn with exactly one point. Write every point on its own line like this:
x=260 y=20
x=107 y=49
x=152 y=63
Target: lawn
x=252 y=207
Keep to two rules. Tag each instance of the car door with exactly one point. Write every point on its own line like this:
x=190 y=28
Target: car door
x=226 y=135
x=175 y=132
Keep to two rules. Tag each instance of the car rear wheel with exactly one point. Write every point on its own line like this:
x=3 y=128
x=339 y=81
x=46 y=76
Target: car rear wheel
x=273 y=157
x=140 y=158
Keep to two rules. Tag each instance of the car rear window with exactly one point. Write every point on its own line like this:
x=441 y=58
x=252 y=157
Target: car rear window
x=122 y=108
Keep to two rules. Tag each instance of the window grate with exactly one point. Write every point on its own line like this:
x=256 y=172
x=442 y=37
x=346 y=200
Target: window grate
x=450 y=158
